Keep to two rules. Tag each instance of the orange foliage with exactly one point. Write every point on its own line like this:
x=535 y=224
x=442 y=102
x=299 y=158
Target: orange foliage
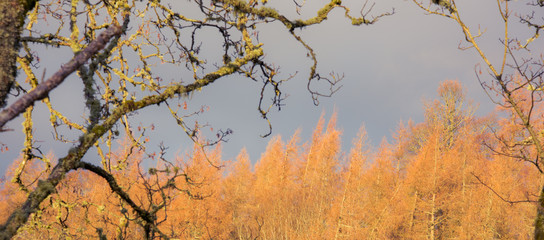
x=448 y=177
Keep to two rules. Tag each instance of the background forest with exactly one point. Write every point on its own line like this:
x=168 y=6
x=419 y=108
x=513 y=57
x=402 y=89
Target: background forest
x=447 y=177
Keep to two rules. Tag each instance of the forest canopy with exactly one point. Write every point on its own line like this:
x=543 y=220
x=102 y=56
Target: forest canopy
x=438 y=179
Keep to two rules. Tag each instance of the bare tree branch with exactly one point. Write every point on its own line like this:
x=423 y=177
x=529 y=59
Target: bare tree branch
x=42 y=90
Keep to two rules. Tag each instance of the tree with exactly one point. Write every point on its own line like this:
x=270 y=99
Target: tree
x=239 y=192
x=127 y=43
x=347 y=208
x=201 y=211
x=519 y=68
x=319 y=177
x=275 y=190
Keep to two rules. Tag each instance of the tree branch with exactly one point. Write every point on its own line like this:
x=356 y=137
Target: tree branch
x=42 y=90
x=498 y=195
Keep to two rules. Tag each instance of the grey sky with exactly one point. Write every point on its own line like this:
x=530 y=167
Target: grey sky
x=390 y=68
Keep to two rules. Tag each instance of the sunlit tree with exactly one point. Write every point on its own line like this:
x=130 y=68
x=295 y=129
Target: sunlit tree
x=519 y=67
x=275 y=190
x=238 y=193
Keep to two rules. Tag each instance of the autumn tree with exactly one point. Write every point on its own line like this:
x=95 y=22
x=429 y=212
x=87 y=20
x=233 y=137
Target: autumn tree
x=369 y=202
x=120 y=48
x=198 y=210
x=445 y=120
x=318 y=174
x=239 y=194
x=518 y=68
x=347 y=208
x=275 y=190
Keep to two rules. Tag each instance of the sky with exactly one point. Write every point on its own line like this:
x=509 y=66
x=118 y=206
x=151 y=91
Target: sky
x=390 y=69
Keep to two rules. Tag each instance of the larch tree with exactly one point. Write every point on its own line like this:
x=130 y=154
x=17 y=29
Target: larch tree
x=350 y=205
x=437 y=155
x=275 y=190
x=201 y=210
x=518 y=67
x=120 y=48
x=319 y=177
x=238 y=192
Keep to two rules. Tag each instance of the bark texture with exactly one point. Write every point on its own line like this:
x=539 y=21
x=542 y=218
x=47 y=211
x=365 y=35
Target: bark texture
x=12 y=14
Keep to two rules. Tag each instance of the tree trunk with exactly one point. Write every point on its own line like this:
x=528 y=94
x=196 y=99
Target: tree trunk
x=539 y=221
x=12 y=15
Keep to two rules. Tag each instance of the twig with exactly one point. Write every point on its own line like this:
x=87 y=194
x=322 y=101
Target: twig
x=498 y=195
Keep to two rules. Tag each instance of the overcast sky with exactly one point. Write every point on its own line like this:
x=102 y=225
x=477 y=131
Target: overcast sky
x=390 y=68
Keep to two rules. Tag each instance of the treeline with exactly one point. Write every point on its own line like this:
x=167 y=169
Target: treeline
x=453 y=176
